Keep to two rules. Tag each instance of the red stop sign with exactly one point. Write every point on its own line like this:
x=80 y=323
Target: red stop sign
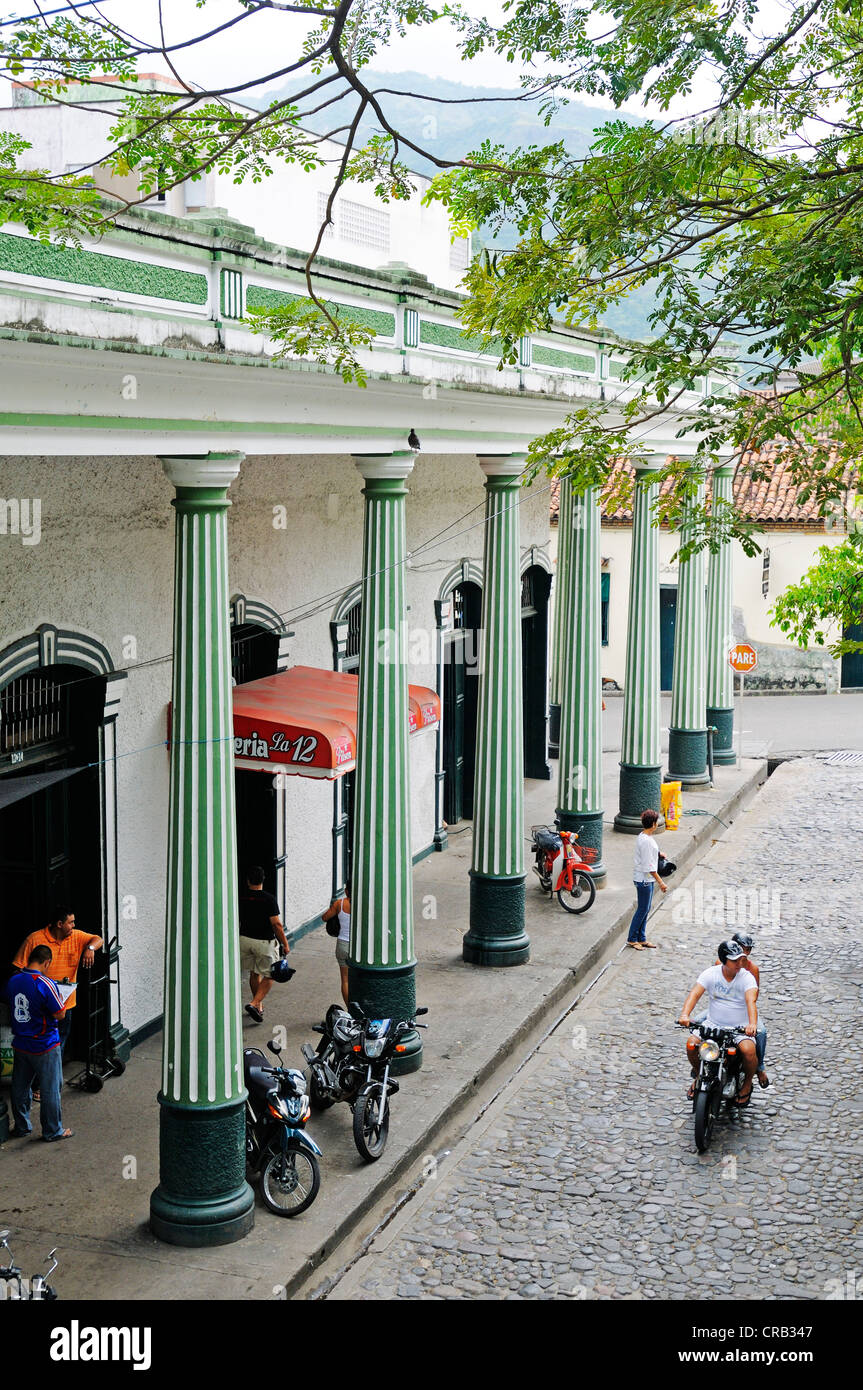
x=743 y=658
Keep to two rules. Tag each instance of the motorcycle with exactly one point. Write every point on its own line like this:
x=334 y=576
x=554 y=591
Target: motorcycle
x=720 y=1077
x=561 y=869
x=277 y=1108
x=352 y=1063
x=37 y=1290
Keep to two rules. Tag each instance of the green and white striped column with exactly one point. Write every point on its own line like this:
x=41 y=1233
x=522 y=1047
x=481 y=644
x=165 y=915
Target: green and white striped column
x=720 y=633
x=687 y=732
x=381 y=965
x=558 y=632
x=202 y=1197
x=640 y=753
x=497 y=935
x=580 y=805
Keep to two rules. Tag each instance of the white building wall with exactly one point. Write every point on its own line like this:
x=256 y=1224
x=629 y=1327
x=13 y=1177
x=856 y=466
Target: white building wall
x=791 y=555
x=104 y=565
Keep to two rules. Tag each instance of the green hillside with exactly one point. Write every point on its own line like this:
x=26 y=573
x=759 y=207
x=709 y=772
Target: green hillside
x=452 y=131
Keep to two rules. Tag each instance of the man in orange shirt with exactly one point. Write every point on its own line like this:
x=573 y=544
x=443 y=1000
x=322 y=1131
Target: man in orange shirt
x=70 y=949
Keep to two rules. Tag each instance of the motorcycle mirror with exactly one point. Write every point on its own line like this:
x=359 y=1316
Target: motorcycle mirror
x=274 y=1046
x=355 y=1011
x=419 y=1013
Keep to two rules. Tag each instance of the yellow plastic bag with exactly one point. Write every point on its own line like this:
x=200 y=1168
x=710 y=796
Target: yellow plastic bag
x=671 y=804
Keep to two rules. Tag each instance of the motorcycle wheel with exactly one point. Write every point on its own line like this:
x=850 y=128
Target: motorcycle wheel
x=580 y=896
x=705 y=1114
x=290 y=1181
x=318 y=1098
x=370 y=1129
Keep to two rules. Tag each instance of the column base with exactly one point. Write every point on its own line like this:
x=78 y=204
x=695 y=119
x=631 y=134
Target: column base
x=588 y=824
x=639 y=791
x=497 y=935
x=120 y=1042
x=687 y=757
x=203 y=1198
x=554 y=731
x=389 y=993
x=441 y=840
x=723 y=740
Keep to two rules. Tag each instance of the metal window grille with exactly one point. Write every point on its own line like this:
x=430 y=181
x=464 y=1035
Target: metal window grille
x=411 y=327
x=525 y=355
x=232 y=294
x=528 y=595
x=352 y=646
x=364 y=226
x=32 y=711
x=459 y=253
x=322 y=212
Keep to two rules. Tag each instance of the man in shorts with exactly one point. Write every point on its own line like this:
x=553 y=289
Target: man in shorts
x=731 y=993
x=261 y=936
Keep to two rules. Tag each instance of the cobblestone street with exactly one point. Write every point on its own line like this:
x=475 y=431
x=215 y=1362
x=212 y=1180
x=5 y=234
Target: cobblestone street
x=582 y=1179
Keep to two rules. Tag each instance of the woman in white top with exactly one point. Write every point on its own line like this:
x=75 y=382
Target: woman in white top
x=342 y=906
x=644 y=875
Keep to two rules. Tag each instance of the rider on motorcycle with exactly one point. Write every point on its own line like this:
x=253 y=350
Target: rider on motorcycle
x=746 y=942
x=731 y=993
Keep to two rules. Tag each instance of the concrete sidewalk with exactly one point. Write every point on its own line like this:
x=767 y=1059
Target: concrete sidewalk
x=90 y=1196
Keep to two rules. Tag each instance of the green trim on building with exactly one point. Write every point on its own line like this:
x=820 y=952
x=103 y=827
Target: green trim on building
x=381 y=323
x=556 y=357
x=445 y=335
x=95 y=269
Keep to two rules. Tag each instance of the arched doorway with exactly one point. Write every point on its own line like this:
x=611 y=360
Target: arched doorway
x=59 y=700
x=345 y=634
x=460 y=692
x=257 y=649
x=535 y=590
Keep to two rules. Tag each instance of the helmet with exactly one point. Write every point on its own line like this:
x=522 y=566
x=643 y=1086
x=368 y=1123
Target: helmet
x=282 y=972
x=730 y=950
x=747 y=942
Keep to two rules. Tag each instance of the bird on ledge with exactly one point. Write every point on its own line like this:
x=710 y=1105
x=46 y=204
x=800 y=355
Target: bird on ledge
x=414 y=440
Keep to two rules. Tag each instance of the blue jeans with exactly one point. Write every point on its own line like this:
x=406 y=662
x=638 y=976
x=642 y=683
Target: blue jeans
x=760 y=1045
x=645 y=898
x=46 y=1069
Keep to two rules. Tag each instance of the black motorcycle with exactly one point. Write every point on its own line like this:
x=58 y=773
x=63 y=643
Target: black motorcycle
x=15 y=1286
x=352 y=1063
x=720 y=1077
x=277 y=1108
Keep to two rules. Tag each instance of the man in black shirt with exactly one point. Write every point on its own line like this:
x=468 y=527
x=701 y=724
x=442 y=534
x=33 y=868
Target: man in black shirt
x=261 y=933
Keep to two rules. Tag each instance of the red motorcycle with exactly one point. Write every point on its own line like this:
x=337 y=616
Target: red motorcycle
x=563 y=869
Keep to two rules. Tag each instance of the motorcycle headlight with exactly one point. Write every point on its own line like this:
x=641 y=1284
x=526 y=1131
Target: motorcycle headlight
x=373 y=1047
x=709 y=1050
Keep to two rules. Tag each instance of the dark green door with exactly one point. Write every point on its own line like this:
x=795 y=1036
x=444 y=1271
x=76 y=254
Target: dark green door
x=535 y=588
x=256 y=826
x=852 y=662
x=461 y=690
x=667 y=615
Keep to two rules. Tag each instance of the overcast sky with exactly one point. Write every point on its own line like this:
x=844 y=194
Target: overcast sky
x=270 y=40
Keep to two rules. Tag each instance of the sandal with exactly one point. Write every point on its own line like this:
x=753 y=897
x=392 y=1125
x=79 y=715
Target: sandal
x=651 y=945
x=254 y=1013
x=636 y=945
x=67 y=1134
x=690 y=1094
x=743 y=1100
x=763 y=1080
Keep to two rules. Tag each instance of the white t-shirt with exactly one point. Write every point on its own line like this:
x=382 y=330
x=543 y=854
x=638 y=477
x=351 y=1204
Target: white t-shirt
x=646 y=858
x=726 y=998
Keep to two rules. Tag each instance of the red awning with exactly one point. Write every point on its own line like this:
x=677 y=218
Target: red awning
x=303 y=722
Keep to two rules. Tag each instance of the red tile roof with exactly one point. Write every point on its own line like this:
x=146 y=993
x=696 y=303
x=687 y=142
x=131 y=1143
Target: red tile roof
x=770 y=502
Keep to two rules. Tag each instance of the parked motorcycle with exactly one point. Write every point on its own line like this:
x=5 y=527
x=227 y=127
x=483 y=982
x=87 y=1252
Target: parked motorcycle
x=561 y=869
x=277 y=1108
x=720 y=1077
x=37 y=1289
x=352 y=1063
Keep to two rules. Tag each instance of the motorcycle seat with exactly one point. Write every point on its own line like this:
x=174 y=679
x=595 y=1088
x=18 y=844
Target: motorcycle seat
x=548 y=839
x=258 y=1082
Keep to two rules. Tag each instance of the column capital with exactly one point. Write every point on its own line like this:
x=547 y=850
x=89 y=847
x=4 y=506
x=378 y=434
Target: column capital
x=395 y=466
x=724 y=469
x=202 y=470
x=501 y=465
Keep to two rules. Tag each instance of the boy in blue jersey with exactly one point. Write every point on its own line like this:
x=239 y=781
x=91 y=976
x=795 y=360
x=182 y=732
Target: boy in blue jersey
x=37 y=1007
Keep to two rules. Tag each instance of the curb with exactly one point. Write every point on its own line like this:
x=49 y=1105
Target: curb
x=539 y=1014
